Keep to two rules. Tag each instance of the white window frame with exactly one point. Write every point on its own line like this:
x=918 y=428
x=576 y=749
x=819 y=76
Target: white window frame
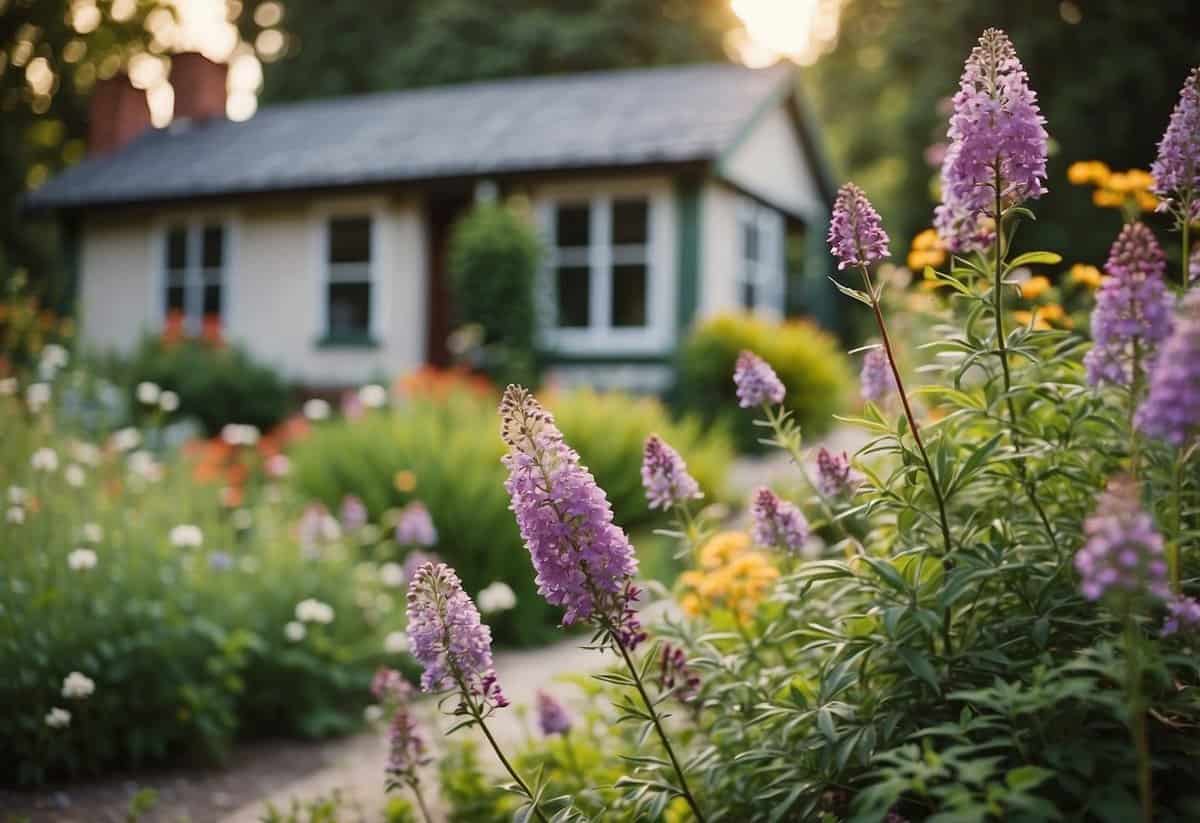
x=600 y=336
x=194 y=225
x=768 y=274
x=323 y=214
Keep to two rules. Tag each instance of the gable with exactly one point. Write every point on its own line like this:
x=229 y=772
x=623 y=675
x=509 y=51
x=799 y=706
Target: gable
x=770 y=162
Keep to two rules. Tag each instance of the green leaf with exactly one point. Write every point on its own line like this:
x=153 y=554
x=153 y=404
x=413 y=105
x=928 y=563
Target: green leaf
x=919 y=665
x=1030 y=258
x=861 y=297
x=1027 y=777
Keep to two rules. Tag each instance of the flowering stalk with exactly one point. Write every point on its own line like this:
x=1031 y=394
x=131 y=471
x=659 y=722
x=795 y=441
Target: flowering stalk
x=1176 y=169
x=583 y=561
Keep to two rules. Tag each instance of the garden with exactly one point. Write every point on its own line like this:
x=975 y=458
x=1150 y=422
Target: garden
x=989 y=610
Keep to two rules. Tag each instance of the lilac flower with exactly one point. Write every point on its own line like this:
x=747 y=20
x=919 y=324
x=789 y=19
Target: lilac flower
x=676 y=676
x=449 y=640
x=665 y=476
x=414 y=560
x=856 y=235
x=876 y=381
x=1123 y=552
x=757 y=384
x=1183 y=614
x=406 y=747
x=777 y=523
x=1177 y=169
x=389 y=686
x=1133 y=308
x=997 y=139
x=353 y=513
x=583 y=561
x=1171 y=410
x=834 y=475
x=552 y=716
x=414 y=526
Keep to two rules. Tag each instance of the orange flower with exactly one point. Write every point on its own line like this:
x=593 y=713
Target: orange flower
x=926 y=250
x=1025 y=317
x=405 y=481
x=1086 y=275
x=1035 y=287
x=1088 y=171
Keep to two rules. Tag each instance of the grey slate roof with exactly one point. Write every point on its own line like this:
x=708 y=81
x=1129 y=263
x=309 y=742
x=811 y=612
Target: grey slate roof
x=605 y=119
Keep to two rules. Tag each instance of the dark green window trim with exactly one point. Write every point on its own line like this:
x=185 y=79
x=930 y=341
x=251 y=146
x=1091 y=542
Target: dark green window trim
x=687 y=205
x=347 y=341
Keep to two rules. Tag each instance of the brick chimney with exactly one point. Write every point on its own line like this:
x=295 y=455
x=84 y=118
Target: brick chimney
x=117 y=113
x=199 y=85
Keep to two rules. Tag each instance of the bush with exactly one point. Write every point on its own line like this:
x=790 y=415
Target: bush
x=452 y=448
x=185 y=643
x=807 y=360
x=494 y=257
x=216 y=383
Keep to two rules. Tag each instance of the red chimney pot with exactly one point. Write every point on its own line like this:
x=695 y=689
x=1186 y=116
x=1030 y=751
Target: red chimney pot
x=117 y=113
x=200 y=87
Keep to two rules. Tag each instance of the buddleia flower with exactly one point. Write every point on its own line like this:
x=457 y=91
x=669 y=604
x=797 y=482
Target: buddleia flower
x=777 y=523
x=552 y=716
x=1176 y=170
x=1171 y=410
x=757 y=384
x=856 y=235
x=1123 y=553
x=665 y=476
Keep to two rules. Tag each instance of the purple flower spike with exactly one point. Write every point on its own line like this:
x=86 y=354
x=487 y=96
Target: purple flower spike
x=777 y=523
x=1183 y=614
x=552 y=716
x=1177 y=169
x=856 y=235
x=1123 y=553
x=583 y=561
x=997 y=136
x=389 y=686
x=406 y=747
x=757 y=384
x=876 y=381
x=834 y=475
x=1133 y=308
x=449 y=640
x=353 y=513
x=1171 y=410
x=676 y=676
x=665 y=476
x=414 y=526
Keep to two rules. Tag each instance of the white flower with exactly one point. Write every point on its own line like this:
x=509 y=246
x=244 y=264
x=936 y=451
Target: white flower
x=77 y=686
x=126 y=439
x=143 y=464
x=294 y=631
x=15 y=515
x=58 y=718
x=148 y=394
x=16 y=495
x=44 y=459
x=278 y=465
x=496 y=597
x=373 y=396
x=85 y=453
x=186 y=536
x=168 y=401
x=81 y=560
x=37 y=396
x=373 y=713
x=314 y=611
x=317 y=409
x=53 y=357
x=75 y=475
x=8 y=387
x=92 y=532
x=239 y=434
x=392 y=574
x=396 y=643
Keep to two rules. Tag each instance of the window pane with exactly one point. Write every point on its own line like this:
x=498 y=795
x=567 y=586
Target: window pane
x=630 y=223
x=350 y=240
x=349 y=308
x=212 y=300
x=571 y=226
x=629 y=295
x=175 y=299
x=574 y=288
x=212 y=247
x=748 y=295
x=750 y=240
x=177 y=247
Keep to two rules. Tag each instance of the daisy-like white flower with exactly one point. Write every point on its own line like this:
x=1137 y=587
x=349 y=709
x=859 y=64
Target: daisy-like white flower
x=148 y=394
x=373 y=396
x=373 y=714
x=294 y=631
x=314 y=611
x=15 y=515
x=392 y=575
x=317 y=409
x=37 y=396
x=82 y=560
x=85 y=453
x=496 y=597
x=44 y=459
x=77 y=686
x=186 y=536
x=396 y=643
x=17 y=495
x=240 y=434
x=126 y=439
x=92 y=532
x=74 y=475
x=168 y=401
x=58 y=718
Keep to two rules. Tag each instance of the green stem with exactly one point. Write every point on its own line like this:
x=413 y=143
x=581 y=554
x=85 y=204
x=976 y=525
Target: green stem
x=781 y=436
x=507 y=766
x=1186 y=231
x=1174 y=560
x=1137 y=715
x=662 y=735
x=416 y=787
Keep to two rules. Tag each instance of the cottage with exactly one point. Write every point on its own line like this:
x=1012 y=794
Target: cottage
x=315 y=233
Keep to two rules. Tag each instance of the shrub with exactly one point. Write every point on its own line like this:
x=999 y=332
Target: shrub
x=452 y=448
x=216 y=383
x=807 y=360
x=185 y=643
x=494 y=257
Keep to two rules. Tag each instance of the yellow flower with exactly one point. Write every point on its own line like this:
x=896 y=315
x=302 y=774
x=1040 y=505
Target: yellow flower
x=1106 y=199
x=1052 y=312
x=926 y=250
x=1088 y=171
x=1146 y=201
x=1140 y=178
x=404 y=481
x=731 y=575
x=1087 y=275
x=1024 y=317
x=1035 y=287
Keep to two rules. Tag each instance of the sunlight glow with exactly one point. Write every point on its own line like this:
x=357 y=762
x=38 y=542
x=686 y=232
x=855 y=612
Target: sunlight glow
x=798 y=30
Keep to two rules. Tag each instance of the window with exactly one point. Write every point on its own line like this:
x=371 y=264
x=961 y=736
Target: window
x=761 y=270
x=193 y=282
x=600 y=270
x=348 y=284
